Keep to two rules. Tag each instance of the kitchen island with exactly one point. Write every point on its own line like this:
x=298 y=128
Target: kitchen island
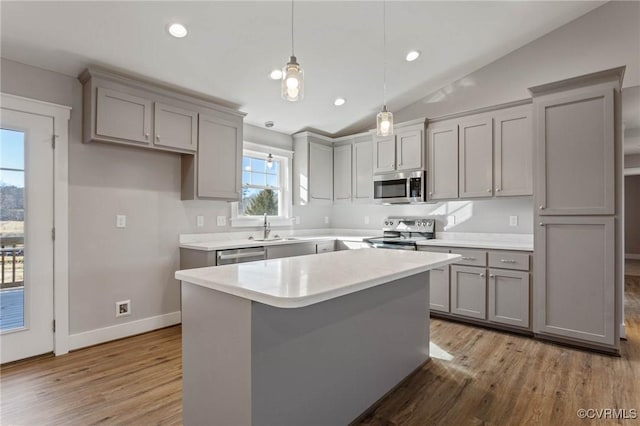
x=305 y=340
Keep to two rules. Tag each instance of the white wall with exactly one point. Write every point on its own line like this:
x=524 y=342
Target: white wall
x=606 y=37
x=108 y=264
x=470 y=215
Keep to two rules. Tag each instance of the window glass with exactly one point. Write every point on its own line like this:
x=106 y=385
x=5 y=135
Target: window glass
x=260 y=187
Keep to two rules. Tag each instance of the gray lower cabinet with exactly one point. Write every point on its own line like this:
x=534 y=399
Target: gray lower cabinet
x=439 y=289
x=509 y=297
x=575 y=277
x=290 y=250
x=469 y=291
x=326 y=246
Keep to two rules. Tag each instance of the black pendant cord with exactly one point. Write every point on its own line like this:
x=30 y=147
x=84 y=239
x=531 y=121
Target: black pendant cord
x=384 y=54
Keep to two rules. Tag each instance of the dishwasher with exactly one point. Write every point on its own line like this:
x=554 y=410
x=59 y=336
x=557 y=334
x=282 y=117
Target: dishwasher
x=242 y=255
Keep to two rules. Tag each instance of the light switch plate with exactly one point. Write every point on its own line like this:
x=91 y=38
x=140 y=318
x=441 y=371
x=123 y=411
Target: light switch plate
x=297 y=220
x=121 y=221
x=513 y=220
x=199 y=221
x=366 y=220
x=451 y=220
x=326 y=220
x=222 y=220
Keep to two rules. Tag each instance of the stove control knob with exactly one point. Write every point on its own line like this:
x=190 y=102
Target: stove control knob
x=386 y=222
x=390 y=222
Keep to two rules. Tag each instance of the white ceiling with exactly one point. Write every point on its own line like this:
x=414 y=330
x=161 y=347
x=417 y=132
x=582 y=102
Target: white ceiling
x=232 y=46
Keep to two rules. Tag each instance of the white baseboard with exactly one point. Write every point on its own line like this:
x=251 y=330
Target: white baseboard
x=632 y=256
x=106 y=334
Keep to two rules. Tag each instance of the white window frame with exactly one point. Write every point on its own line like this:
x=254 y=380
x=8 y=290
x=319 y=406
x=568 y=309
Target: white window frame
x=286 y=158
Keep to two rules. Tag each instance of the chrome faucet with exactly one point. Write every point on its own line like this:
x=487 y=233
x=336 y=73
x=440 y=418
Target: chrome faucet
x=266 y=228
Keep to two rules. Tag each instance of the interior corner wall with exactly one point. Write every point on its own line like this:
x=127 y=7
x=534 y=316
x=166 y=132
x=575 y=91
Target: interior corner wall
x=632 y=215
x=604 y=38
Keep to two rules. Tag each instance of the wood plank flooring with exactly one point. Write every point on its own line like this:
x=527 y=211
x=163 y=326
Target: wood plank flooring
x=476 y=376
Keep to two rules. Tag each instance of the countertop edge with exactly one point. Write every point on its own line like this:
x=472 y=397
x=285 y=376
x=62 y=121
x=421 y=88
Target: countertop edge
x=301 y=302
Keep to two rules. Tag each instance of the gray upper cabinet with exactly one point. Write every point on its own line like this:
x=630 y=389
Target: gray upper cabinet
x=442 y=172
x=320 y=172
x=513 y=152
x=476 y=158
x=342 y=173
x=175 y=127
x=402 y=151
x=362 y=169
x=384 y=154
x=219 y=158
x=120 y=115
x=409 y=149
x=575 y=152
x=123 y=110
x=574 y=278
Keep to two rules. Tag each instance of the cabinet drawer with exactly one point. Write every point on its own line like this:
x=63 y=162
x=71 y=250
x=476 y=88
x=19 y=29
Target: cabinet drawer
x=509 y=260
x=434 y=249
x=471 y=257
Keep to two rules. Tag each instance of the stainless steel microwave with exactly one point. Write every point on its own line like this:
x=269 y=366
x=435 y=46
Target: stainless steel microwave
x=400 y=188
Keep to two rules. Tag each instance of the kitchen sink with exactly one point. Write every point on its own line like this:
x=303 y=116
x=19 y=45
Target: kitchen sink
x=274 y=239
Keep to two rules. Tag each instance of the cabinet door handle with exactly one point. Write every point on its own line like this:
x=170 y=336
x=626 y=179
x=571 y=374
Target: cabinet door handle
x=482 y=275
x=146 y=135
x=430 y=193
x=541 y=224
x=541 y=207
x=489 y=190
x=507 y=261
x=491 y=276
x=157 y=137
x=498 y=189
x=468 y=258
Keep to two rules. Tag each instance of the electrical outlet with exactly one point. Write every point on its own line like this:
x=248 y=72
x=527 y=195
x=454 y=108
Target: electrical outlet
x=451 y=220
x=123 y=308
x=297 y=220
x=199 y=221
x=121 y=221
x=513 y=220
x=222 y=220
x=326 y=220
x=366 y=220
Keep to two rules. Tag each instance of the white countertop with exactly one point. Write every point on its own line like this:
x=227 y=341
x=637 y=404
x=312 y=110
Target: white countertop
x=245 y=242
x=295 y=282
x=492 y=245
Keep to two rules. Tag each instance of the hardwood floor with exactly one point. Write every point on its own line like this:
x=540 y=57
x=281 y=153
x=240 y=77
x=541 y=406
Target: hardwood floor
x=476 y=376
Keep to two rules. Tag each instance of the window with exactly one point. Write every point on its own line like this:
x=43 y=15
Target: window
x=266 y=180
x=260 y=186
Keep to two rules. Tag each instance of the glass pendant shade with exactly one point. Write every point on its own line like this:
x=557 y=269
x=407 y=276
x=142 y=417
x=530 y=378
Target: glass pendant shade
x=292 y=86
x=384 y=122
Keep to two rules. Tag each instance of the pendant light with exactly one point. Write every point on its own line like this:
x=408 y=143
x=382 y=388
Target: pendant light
x=292 y=84
x=384 y=120
x=270 y=161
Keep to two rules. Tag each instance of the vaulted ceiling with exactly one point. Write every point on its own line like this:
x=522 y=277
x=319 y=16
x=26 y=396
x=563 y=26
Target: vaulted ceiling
x=232 y=47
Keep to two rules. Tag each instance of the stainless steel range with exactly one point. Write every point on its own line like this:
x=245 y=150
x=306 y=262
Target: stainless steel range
x=402 y=233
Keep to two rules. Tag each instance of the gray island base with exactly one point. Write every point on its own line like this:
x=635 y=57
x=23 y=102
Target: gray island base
x=249 y=363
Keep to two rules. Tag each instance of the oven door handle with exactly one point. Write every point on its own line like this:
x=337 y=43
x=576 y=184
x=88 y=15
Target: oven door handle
x=392 y=246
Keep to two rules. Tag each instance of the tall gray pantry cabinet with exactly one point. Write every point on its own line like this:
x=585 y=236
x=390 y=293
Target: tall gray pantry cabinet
x=577 y=175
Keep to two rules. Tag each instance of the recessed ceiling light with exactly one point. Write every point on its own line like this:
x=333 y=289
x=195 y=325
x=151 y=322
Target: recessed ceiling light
x=177 y=30
x=339 y=101
x=268 y=124
x=412 y=56
x=275 y=75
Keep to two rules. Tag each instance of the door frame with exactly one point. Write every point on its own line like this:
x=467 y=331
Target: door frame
x=61 y=115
